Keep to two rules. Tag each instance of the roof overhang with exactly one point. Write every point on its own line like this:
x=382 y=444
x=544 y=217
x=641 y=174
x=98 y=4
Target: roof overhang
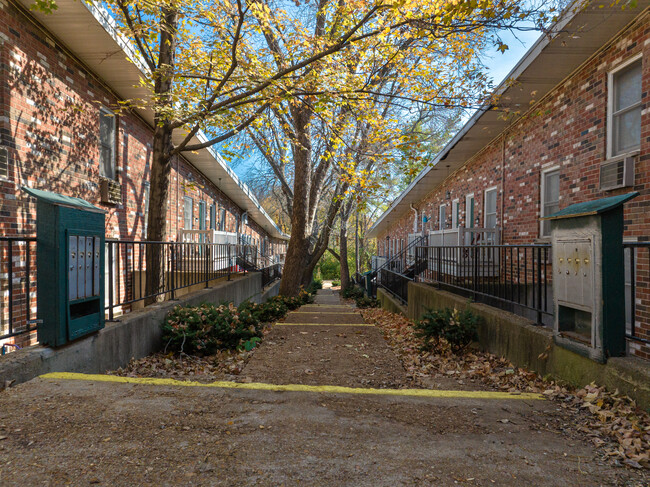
x=575 y=38
x=89 y=32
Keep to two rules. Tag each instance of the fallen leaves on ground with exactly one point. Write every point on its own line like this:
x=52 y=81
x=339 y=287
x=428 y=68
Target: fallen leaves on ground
x=223 y=364
x=610 y=420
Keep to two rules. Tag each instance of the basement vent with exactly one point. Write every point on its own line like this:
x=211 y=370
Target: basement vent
x=110 y=191
x=617 y=174
x=4 y=163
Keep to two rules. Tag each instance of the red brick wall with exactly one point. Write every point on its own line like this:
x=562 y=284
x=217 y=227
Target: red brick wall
x=566 y=129
x=49 y=123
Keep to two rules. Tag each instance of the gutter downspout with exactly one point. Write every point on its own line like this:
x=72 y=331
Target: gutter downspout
x=415 y=219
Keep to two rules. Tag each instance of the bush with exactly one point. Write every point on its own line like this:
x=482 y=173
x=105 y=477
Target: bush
x=367 y=302
x=204 y=329
x=456 y=328
x=316 y=284
x=353 y=292
x=272 y=310
x=336 y=283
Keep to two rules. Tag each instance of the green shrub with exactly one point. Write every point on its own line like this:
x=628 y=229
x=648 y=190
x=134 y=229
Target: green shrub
x=367 y=302
x=204 y=329
x=329 y=267
x=272 y=310
x=456 y=328
x=353 y=292
x=316 y=284
x=336 y=283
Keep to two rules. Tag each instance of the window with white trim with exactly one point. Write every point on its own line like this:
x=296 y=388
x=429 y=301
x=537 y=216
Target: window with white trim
x=624 y=110
x=213 y=217
x=469 y=211
x=549 y=198
x=442 y=217
x=455 y=213
x=106 y=143
x=490 y=217
x=188 y=211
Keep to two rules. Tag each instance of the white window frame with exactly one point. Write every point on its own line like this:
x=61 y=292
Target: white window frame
x=455 y=214
x=610 y=104
x=442 y=216
x=496 y=206
x=469 y=218
x=542 y=193
x=186 y=200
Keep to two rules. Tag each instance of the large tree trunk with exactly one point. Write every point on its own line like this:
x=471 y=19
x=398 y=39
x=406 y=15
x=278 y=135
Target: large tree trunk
x=298 y=250
x=161 y=162
x=157 y=219
x=345 y=269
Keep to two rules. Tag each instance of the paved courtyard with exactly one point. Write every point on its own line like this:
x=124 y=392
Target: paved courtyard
x=324 y=401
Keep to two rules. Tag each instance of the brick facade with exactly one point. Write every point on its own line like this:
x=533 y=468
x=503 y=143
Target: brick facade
x=49 y=124
x=567 y=129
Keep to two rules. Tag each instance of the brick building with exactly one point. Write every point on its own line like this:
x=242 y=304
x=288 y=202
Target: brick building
x=62 y=75
x=573 y=126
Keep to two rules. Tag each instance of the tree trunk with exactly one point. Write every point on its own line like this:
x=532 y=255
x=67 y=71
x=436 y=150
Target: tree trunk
x=298 y=250
x=345 y=269
x=161 y=165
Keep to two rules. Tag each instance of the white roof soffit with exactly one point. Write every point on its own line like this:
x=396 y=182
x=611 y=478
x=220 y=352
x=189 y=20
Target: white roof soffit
x=88 y=31
x=549 y=61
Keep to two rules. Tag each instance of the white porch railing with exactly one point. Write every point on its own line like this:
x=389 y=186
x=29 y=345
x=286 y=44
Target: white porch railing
x=452 y=263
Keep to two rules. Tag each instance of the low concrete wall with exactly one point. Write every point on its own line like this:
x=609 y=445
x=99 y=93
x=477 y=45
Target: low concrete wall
x=270 y=291
x=136 y=335
x=389 y=303
x=521 y=342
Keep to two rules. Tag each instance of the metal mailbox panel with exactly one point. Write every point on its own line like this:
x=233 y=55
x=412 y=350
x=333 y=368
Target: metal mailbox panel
x=96 y=271
x=575 y=272
x=72 y=267
x=81 y=266
x=89 y=266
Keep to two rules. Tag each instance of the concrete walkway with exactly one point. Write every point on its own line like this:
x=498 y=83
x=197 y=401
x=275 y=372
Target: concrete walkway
x=323 y=402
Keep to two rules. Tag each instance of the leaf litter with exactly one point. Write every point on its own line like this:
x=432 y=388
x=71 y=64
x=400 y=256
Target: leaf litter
x=611 y=421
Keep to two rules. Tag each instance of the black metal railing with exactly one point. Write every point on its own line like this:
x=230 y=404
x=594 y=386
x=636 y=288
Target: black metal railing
x=270 y=274
x=513 y=277
x=182 y=265
x=18 y=285
x=395 y=283
x=637 y=291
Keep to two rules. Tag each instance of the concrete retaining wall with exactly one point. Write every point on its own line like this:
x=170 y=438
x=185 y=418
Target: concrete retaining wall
x=521 y=342
x=389 y=303
x=136 y=335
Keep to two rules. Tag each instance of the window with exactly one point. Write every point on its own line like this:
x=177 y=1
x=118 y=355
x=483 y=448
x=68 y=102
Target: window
x=469 y=211
x=624 y=110
x=491 y=208
x=106 y=143
x=442 y=217
x=455 y=213
x=201 y=215
x=213 y=217
x=549 y=198
x=222 y=219
x=188 y=210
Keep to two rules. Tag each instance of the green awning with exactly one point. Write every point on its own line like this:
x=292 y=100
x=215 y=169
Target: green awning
x=593 y=207
x=62 y=200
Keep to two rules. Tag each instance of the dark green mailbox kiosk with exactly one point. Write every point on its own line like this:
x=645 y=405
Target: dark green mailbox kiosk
x=70 y=267
x=588 y=280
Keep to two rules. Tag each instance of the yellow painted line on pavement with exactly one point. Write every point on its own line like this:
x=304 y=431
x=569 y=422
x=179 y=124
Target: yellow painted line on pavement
x=327 y=305
x=259 y=386
x=316 y=312
x=323 y=324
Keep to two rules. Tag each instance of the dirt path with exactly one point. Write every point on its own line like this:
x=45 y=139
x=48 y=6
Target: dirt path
x=81 y=432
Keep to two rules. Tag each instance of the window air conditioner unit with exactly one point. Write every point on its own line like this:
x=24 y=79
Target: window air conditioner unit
x=617 y=173
x=110 y=191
